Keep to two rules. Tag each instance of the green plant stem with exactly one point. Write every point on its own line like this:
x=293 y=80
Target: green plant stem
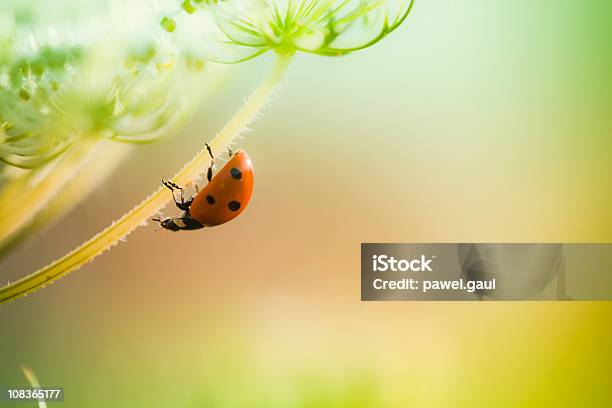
x=25 y=196
x=140 y=214
x=77 y=175
x=107 y=157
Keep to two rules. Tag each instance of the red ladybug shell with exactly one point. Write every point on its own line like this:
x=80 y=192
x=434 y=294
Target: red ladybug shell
x=227 y=194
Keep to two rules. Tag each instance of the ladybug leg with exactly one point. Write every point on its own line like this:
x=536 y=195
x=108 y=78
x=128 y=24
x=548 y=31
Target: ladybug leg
x=229 y=151
x=172 y=186
x=183 y=205
x=209 y=172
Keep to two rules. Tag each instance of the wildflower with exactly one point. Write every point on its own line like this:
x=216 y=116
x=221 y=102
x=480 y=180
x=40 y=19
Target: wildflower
x=69 y=86
x=249 y=28
x=246 y=29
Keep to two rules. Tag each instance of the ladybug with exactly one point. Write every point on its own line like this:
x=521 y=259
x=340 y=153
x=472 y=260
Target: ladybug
x=225 y=196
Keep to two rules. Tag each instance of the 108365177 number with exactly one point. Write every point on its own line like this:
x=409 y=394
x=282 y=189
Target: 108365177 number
x=49 y=394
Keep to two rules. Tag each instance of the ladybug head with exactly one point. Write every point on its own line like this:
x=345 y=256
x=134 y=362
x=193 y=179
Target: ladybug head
x=168 y=224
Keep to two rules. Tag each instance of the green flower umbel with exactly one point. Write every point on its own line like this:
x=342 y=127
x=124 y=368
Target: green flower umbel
x=326 y=27
x=71 y=88
x=54 y=95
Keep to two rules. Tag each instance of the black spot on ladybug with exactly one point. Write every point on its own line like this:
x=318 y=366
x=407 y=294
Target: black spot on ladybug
x=234 y=205
x=236 y=173
x=210 y=199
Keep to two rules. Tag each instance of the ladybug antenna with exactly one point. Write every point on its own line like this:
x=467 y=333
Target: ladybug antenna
x=157 y=219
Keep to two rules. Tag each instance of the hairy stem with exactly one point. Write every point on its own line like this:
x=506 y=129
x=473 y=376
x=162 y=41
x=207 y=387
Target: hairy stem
x=155 y=202
x=23 y=197
x=108 y=156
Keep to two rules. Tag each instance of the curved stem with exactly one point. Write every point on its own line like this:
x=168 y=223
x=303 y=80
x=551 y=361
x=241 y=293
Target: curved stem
x=108 y=156
x=140 y=214
x=25 y=196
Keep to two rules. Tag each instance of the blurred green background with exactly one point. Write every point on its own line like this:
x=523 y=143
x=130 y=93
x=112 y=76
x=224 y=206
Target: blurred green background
x=475 y=121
